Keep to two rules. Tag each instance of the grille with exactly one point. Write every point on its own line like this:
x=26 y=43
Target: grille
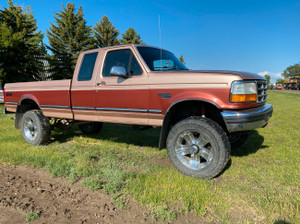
x=262 y=91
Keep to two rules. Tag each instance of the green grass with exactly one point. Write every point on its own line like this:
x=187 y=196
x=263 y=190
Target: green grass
x=121 y=201
x=259 y=185
x=31 y=216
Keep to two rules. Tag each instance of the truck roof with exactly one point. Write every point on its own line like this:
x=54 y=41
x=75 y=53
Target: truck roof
x=122 y=46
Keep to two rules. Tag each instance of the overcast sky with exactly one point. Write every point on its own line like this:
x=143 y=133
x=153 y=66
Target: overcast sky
x=261 y=36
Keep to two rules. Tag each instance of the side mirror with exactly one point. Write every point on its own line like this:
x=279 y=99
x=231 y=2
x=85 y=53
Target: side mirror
x=118 y=71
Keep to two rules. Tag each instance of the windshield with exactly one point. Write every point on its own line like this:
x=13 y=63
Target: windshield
x=160 y=60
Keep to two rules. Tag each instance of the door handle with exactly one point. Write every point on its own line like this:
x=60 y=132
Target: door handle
x=101 y=83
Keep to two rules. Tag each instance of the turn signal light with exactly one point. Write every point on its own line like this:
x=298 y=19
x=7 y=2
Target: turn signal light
x=244 y=98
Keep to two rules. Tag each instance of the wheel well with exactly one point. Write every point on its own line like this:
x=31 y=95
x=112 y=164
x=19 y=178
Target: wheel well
x=185 y=109
x=23 y=107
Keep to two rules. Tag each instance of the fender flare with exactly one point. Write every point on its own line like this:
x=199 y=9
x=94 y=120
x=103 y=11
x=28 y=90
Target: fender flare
x=20 y=112
x=166 y=123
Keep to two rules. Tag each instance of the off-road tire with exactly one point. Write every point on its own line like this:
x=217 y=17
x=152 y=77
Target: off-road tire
x=35 y=127
x=239 y=139
x=91 y=128
x=218 y=147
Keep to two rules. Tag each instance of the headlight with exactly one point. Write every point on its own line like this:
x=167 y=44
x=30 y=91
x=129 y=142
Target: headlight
x=243 y=91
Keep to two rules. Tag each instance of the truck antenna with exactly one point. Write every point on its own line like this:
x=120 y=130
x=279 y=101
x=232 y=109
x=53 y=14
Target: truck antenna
x=159 y=33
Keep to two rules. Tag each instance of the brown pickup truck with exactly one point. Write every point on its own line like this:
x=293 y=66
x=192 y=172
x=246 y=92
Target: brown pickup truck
x=202 y=114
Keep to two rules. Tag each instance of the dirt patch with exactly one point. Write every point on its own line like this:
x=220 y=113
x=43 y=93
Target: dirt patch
x=24 y=189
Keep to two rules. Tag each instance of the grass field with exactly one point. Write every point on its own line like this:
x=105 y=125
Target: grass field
x=259 y=185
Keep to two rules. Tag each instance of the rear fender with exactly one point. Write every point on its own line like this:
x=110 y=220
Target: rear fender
x=25 y=104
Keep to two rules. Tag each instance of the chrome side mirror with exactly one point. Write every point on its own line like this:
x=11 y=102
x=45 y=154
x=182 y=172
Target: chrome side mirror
x=118 y=71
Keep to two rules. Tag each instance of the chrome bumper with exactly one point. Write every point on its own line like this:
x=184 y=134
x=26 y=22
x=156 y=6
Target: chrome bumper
x=244 y=120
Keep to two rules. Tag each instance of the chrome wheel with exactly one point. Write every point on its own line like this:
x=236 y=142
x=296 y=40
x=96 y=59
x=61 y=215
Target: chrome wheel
x=36 y=128
x=198 y=147
x=30 y=129
x=194 y=150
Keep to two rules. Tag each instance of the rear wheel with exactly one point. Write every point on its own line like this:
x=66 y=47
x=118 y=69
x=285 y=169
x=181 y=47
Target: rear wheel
x=198 y=147
x=35 y=127
x=90 y=128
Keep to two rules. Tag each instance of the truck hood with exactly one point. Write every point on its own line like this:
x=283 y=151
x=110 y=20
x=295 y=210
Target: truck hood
x=243 y=75
x=200 y=78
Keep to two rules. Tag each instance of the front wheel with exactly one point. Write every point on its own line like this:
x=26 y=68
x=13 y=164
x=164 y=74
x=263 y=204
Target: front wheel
x=35 y=127
x=198 y=147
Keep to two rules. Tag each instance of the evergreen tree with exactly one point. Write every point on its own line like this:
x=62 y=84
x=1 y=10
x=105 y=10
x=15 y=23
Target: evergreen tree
x=131 y=37
x=67 y=39
x=182 y=59
x=21 y=48
x=105 y=33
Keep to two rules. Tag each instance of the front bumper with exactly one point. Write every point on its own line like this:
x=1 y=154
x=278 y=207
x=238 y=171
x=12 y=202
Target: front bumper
x=249 y=119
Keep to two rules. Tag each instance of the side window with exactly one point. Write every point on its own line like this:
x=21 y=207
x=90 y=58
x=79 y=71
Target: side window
x=87 y=67
x=135 y=68
x=124 y=58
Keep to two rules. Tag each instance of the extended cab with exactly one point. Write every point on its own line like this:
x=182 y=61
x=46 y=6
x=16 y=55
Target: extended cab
x=203 y=114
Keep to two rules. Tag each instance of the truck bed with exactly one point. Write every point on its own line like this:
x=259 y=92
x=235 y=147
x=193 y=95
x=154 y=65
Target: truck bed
x=53 y=97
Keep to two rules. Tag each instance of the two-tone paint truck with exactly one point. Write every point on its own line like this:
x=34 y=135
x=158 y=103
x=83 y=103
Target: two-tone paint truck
x=202 y=114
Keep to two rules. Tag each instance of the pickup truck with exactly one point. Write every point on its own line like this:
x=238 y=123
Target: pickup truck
x=202 y=114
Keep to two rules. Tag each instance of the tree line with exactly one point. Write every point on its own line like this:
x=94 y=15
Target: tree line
x=290 y=72
x=24 y=56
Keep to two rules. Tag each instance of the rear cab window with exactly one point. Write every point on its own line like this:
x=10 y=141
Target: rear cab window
x=87 y=67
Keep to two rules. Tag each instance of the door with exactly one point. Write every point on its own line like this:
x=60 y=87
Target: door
x=119 y=99
x=83 y=88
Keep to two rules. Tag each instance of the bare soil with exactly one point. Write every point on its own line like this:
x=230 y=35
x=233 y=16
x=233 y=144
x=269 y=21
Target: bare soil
x=24 y=189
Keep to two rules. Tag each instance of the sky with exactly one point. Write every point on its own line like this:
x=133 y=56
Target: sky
x=260 y=36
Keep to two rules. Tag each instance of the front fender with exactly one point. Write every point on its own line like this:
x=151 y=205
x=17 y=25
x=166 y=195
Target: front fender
x=218 y=97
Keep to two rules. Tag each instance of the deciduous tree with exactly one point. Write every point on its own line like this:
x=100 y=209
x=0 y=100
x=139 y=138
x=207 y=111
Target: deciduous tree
x=67 y=38
x=279 y=81
x=182 y=59
x=293 y=70
x=268 y=79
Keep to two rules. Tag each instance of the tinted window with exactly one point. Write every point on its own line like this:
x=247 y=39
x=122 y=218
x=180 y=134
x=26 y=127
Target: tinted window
x=160 y=60
x=87 y=67
x=135 y=68
x=124 y=58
